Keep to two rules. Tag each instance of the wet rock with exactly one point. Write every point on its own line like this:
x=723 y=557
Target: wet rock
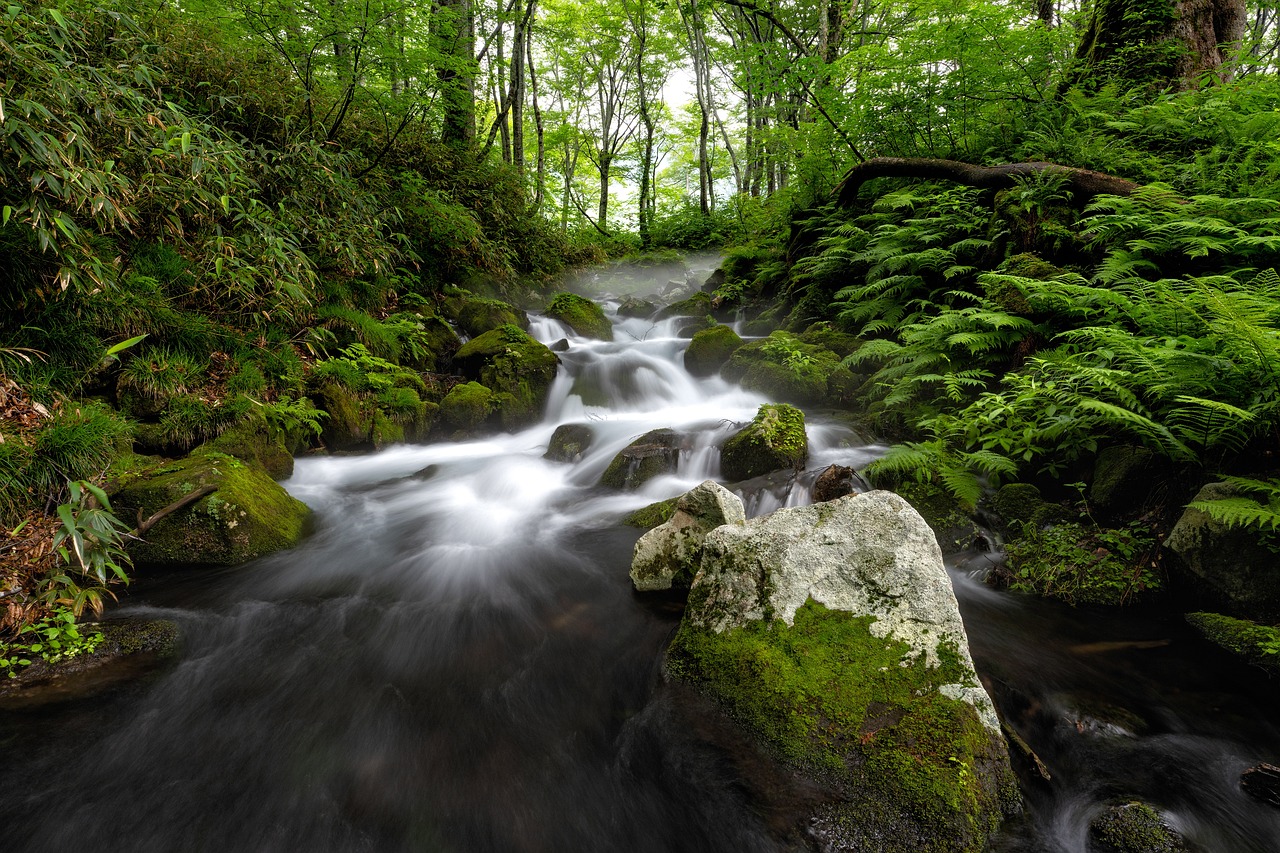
x=651 y=455
x=561 y=345
x=955 y=528
x=1019 y=504
x=465 y=409
x=253 y=440
x=830 y=633
x=774 y=440
x=518 y=369
x=1227 y=568
x=632 y=306
x=698 y=305
x=835 y=481
x=667 y=555
x=244 y=513
x=709 y=349
x=1094 y=716
x=1262 y=782
x=1123 y=476
x=569 y=442
x=649 y=517
x=1133 y=828
x=128 y=649
x=714 y=281
x=582 y=315
x=1247 y=640
x=785 y=367
x=477 y=316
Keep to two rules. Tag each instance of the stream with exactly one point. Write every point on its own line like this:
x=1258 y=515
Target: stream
x=455 y=661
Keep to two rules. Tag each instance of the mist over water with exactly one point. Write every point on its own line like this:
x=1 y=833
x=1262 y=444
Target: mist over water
x=455 y=662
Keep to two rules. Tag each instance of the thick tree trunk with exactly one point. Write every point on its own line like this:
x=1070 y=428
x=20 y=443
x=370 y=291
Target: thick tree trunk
x=456 y=39
x=1161 y=43
x=1082 y=182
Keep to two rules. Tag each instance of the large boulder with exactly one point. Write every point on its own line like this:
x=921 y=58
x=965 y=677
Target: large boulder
x=465 y=409
x=585 y=317
x=1231 y=569
x=477 y=316
x=667 y=555
x=774 y=440
x=651 y=455
x=243 y=513
x=710 y=348
x=518 y=369
x=831 y=633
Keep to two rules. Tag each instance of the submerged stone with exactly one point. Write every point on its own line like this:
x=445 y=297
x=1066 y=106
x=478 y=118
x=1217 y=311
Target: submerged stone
x=774 y=440
x=667 y=555
x=245 y=515
x=831 y=633
x=651 y=455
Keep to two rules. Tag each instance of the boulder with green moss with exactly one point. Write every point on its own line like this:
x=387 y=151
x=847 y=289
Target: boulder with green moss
x=245 y=514
x=1227 y=568
x=1133 y=827
x=1257 y=644
x=585 y=317
x=254 y=440
x=785 y=367
x=477 y=316
x=710 y=349
x=518 y=369
x=465 y=409
x=649 y=517
x=1019 y=504
x=697 y=305
x=667 y=555
x=773 y=441
x=830 y=633
x=653 y=454
x=569 y=442
x=1124 y=477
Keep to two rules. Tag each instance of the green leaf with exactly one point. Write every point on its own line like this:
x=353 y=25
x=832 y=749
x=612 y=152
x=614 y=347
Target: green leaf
x=124 y=345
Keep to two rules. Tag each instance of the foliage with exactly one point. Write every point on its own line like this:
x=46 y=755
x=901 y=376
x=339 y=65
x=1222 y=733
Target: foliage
x=1083 y=564
x=52 y=638
x=1256 y=507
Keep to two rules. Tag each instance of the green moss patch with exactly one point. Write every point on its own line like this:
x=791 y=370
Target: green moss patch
x=517 y=368
x=477 y=316
x=465 y=408
x=710 y=349
x=649 y=517
x=774 y=440
x=1257 y=644
x=861 y=714
x=582 y=315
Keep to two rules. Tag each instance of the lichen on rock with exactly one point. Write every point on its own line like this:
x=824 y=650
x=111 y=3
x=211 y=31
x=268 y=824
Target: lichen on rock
x=667 y=555
x=830 y=632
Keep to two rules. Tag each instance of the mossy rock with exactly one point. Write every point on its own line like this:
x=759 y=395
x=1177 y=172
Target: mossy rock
x=1133 y=828
x=253 y=440
x=697 y=305
x=710 y=349
x=774 y=440
x=350 y=416
x=1123 y=479
x=1257 y=644
x=247 y=515
x=569 y=442
x=649 y=517
x=632 y=306
x=517 y=368
x=651 y=455
x=442 y=342
x=954 y=528
x=128 y=648
x=786 y=368
x=1019 y=504
x=585 y=317
x=824 y=335
x=477 y=316
x=465 y=409
x=910 y=769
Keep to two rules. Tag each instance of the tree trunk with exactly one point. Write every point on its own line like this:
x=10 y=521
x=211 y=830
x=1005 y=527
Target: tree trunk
x=1158 y=43
x=1082 y=182
x=602 y=217
x=455 y=32
x=540 y=170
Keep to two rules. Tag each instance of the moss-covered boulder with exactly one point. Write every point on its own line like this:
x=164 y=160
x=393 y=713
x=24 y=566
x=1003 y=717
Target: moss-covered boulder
x=244 y=515
x=477 y=316
x=1257 y=644
x=632 y=306
x=1229 y=569
x=465 y=409
x=651 y=455
x=709 y=349
x=349 y=421
x=1124 y=477
x=831 y=635
x=518 y=369
x=1018 y=504
x=254 y=440
x=569 y=442
x=955 y=528
x=697 y=305
x=774 y=440
x=669 y=554
x=1133 y=828
x=585 y=317
x=828 y=337
x=785 y=367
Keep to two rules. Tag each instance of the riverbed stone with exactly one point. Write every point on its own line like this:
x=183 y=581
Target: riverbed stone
x=651 y=455
x=1231 y=569
x=774 y=440
x=516 y=368
x=633 y=306
x=465 y=409
x=835 y=481
x=1133 y=827
x=668 y=555
x=831 y=634
x=582 y=315
x=248 y=514
x=710 y=348
x=569 y=442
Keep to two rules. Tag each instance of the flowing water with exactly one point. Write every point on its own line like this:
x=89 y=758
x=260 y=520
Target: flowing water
x=455 y=662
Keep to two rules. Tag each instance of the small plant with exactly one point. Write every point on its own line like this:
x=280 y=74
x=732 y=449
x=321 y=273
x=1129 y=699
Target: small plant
x=53 y=638
x=1083 y=564
x=91 y=545
x=1257 y=507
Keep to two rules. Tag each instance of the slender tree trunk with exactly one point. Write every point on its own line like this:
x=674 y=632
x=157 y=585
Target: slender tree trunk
x=455 y=32
x=518 y=88
x=540 y=174
x=602 y=216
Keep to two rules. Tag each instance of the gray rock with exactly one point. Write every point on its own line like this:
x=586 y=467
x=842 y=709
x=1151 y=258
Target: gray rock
x=1228 y=568
x=666 y=555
